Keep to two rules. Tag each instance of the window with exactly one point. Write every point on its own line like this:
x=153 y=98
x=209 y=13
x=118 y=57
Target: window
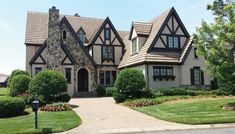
x=107 y=74
x=64 y=34
x=101 y=77
x=81 y=37
x=107 y=52
x=107 y=34
x=163 y=72
x=195 y=53
x=68 y=75
x=134 y=46
x=107 y=78
x=37 y=70
x=197 y=76
x=173 y=42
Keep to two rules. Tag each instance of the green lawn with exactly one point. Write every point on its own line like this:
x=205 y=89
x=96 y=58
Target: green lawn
x=4 y=91
x=47 y=122
x=194 y=111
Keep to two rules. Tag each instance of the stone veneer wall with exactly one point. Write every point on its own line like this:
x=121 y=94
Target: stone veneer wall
x=81 y=59
x=53 y=56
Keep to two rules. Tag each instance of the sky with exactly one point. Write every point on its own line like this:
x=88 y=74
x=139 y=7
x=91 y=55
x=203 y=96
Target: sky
x=13 y=14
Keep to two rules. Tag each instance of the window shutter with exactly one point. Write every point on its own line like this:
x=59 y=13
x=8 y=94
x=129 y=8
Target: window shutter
x=192 y=76
x=202 y=78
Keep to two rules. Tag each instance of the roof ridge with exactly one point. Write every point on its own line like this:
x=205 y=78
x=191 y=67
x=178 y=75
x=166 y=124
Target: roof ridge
x=154 y=19
x=142 y=22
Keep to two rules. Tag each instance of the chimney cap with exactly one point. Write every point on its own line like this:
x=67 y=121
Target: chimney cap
x=53 y=7
x=77 y=15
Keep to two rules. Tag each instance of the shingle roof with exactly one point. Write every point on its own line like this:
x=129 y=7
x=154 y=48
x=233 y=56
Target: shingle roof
x=143 y=55
x=37 y=26
x=142 y=28
x=3 y=78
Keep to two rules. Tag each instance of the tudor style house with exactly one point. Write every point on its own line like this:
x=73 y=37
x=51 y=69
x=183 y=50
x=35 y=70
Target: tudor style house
x=90 y=51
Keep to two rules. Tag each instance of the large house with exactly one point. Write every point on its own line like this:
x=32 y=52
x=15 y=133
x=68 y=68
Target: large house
x=91 y=51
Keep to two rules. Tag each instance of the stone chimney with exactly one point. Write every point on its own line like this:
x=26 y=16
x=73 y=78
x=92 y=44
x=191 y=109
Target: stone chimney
x=53 y=40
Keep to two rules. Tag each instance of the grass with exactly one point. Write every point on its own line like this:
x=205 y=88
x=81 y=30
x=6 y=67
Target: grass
x=4 y=91
x=194 y=111
x=48 y=122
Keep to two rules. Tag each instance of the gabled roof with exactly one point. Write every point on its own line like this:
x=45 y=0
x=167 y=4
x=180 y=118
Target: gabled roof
x=37 y=26
x=3 y=78
x=144 y=56
x=141 y=28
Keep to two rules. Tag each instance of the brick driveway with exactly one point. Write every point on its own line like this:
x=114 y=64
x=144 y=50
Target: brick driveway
x=102 y=115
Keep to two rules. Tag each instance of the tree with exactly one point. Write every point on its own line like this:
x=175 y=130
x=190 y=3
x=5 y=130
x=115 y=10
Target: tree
x=215 y=41
x=19 y=84
x=15 y=73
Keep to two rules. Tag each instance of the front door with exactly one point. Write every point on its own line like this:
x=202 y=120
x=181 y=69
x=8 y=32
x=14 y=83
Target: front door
x=82 y=80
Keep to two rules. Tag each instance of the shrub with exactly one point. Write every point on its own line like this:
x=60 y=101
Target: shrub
x=11 y=106
x=118 y=97
x=63 y=98
x=19 y=84
x=110 y=91
x=55 y=107
x=130 y=82
x=100 y=91
x=220 y=92
x=49 y=84
x=15 y=73
x=147 y=94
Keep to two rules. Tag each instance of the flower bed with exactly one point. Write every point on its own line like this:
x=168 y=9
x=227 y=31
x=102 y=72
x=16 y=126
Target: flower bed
x=55 y=107
x=229 y=107
x=142 y=103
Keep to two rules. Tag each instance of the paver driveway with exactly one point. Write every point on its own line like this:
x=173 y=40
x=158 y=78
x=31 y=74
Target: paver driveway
x=102 y=115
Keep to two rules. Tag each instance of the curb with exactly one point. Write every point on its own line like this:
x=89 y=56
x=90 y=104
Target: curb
x=166 y=128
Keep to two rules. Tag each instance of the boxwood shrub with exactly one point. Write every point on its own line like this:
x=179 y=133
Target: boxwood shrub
x=130 y=82
x=11 y=106
x=110 y=91
x=118 y=97
x=15 y=73
x=19 y=84
x=49 y=84
x=100 y=91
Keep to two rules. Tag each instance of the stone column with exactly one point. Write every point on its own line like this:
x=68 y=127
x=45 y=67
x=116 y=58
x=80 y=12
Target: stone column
x=53 y=56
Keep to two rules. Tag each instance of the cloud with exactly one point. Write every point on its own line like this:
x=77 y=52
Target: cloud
x=4 y=26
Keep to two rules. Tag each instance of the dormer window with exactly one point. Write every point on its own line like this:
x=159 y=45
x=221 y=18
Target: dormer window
x=107 y=34
x=64 y=34
x=81 y=36
x=134 y=46
x=173 y=42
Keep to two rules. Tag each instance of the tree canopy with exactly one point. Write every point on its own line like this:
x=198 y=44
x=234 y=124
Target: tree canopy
x=216 y=42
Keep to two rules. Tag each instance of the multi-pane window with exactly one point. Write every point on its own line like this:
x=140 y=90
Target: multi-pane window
x=162 y=71
x=101 y=77
x=107 y=77
x=134 y=46
x=107 y=34
x=107 y=52
x=68 y=75
x=173 y=42
x=64 y=34
x=197 y=77
x=195 y=53
x=37 y=70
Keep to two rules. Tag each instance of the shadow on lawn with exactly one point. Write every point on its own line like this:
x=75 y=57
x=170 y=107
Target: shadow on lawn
x=74 y=106
x=46 y=130
x=12 y=116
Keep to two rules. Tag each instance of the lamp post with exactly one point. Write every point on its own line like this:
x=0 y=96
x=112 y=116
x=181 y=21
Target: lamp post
x=35 y=107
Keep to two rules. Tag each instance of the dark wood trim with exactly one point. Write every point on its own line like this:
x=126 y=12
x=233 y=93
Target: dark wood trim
x=177 y=29
x=32 y=44
x=66 y=22
x=163 y=42
x=38 y=53
x=143 y=35
x=173 y=26
x=113 y=40
x=131 y=31
x=66 y=51
x=160 y=49
x=171 y=13
x=102 y=40
x=42 y=58
x=103 y=44
x=81 y=29
x=102 y=65
x=105 y=30
x=173 y=35
x=169 y=28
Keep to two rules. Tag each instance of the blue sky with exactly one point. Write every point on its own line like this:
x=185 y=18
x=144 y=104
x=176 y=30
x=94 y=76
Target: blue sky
x=121 y=12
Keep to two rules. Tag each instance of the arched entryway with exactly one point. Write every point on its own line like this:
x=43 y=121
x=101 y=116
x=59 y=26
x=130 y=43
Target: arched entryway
x=83 y=80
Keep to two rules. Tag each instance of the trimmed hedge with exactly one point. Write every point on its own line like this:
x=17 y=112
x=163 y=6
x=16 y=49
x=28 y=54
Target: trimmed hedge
x=110 y=91
x=49 y=84
x=19 y=84
x=63 y=98
x=118 y=97
x=130 y=82
x=100 y=91
x=11 y=106
x=15 y=73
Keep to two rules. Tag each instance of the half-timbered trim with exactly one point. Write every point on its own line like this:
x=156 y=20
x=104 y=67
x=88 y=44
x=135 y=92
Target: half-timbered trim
x=38 y=54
